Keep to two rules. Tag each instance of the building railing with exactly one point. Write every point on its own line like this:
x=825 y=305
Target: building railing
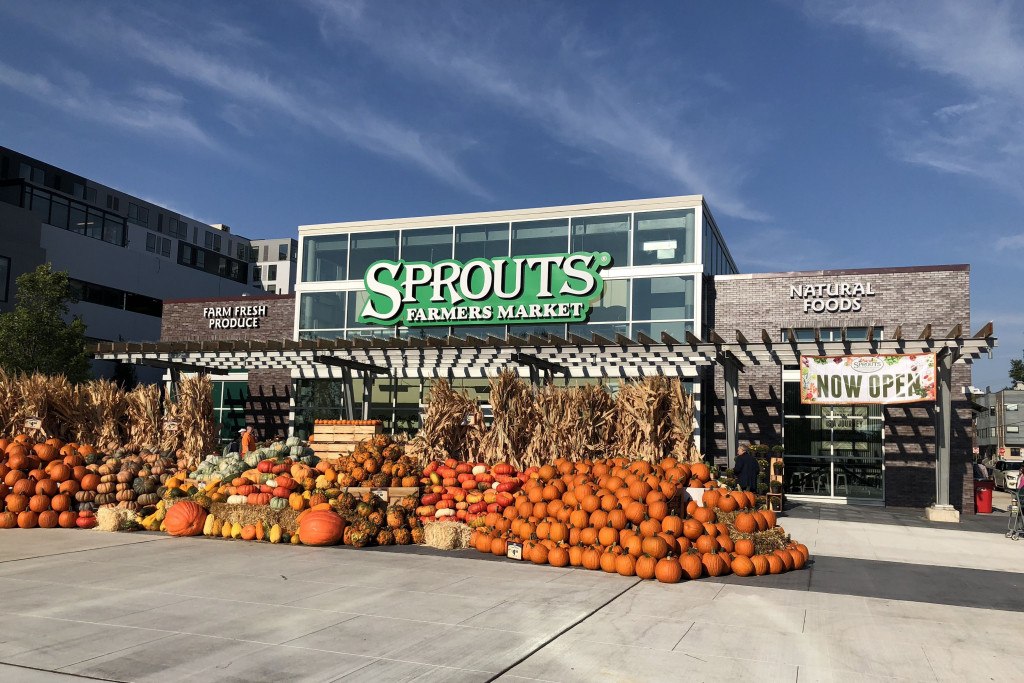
x=61 y=211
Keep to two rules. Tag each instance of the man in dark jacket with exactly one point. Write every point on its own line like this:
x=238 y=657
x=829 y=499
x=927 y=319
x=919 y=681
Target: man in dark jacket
x=746 y=469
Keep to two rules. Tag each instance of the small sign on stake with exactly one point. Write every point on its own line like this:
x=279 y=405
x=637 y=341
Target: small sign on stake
x=380 y=493
x=33 y=423
x=170 y=426
x=515 y=551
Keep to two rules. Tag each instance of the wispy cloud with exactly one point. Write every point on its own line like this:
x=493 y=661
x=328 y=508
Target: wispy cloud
x=975 y=125
x=578 y=90
x=158 y=114
x=1011 y=242
x=227 y=61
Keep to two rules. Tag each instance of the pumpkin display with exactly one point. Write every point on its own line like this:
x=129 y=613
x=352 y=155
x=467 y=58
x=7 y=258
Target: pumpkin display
x=185 y=518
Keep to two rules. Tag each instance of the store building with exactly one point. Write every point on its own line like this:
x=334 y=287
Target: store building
x=608 y=292
x=276 y=265
x=125 y=256
x=999 y=424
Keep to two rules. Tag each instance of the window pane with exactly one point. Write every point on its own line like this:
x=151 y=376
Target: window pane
x=434 y=244
x=78 y=219
x=479 y=331
x=539 y=330
x=111 y=230
x=481 y=241
x=613 y=305
x=272 y=273
x=606 y=331
x=603 y=233
x=5 y=276
x=150 y=242
x=356 y=301
x=41 y=206
x=59 y=213
x=94 y=225
x=678 y=330
x=368 y=247
x=663 y=298
x=322 y=310
x=325 y=258
x=663 y=237
x=540 y=237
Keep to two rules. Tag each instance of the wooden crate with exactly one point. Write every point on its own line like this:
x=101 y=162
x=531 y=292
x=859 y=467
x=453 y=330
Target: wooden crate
x=345 y=432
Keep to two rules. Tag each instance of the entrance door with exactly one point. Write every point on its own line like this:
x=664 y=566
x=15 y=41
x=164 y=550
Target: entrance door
x=833 y=451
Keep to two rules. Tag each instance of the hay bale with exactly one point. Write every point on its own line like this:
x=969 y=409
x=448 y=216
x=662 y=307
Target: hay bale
x=254 y=514
x=116 y=519
x=446 y=535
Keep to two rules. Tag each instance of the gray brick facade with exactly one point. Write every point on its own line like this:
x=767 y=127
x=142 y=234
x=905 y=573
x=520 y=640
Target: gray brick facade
x=269 y=390
x=907 y=297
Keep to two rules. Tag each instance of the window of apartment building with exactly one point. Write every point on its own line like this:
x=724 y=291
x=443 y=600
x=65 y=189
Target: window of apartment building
x=271 y=273
x=242 y=253
x=1012 y=429
x=257 y=274
x=138 y=214
x=113 y=203
x=5 y=277
x=31 y=173
x=282 y=252
x=158 y=245
x=266 y=253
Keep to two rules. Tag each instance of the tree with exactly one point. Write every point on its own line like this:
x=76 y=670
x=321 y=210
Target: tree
x=1016 y=370
x=36 y=336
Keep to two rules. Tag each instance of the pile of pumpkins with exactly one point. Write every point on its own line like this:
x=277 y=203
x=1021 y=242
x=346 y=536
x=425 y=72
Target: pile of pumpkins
x=54 y=484
x=468 y=491
x=629 y=518
x=377 y=462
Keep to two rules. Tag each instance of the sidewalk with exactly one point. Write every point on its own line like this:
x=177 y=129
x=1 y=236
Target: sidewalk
x=147 y=607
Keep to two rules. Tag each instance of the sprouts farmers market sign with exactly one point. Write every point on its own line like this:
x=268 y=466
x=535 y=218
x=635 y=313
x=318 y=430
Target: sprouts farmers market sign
x=549 y=288
x=879 y=379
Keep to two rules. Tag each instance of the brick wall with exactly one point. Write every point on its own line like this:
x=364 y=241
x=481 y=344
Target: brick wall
x=911 y=297
x=269 y=390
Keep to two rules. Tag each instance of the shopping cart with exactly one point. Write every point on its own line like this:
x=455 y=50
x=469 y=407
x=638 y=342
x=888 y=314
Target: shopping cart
x=1015 y=527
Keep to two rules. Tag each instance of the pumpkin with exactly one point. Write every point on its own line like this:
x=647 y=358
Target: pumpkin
x=607 y=562
x=745 y=547
x=692 y=529
x=85 y=520
x=27 y=520
x=691 y=565
x=745 y=523
x=321 y=527
x=668 y=570
x=278 y=503
x=185 y=518
x=39 y=503
x=625 y=565
x=646 y=567
x=775 y=565
x=655 y=546
x=760 y=563
x=248 y=532
x=787 y=559
x=8 y=520
x=797 y=557
x=60 y=503
x=706 y=544
x=713 y=563
x=742 y=566
x=48 y=519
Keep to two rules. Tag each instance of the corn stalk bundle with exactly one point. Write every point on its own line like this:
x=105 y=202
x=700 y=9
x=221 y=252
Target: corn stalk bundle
x=684 y=423
x=192 y=409
x=106 y=409
x=33 y=400
x=453 y=426
x=143 y=418
x=514 y=411
x=643 y=421
x=70 y=411
x=573 y=423
x=8 y=403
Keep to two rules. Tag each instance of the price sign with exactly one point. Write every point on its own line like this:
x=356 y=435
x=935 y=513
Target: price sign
x=515 y=551
x=380 y=493
x=170 y=426
x=33 y=423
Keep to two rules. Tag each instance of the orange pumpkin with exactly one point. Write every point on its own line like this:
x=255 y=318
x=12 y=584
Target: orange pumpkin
x=48 y=519
x=745 y=523
x=27 y=520
x=185 y=519
x=67 y=520
x=691 y=565
x=742 y=566
x=668 y=570
x=321 y=527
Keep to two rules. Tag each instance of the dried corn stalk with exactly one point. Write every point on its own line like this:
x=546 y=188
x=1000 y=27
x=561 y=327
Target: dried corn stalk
x=192 y=408
x=453 y=426
x=514 y=412
x=573 y=423
x=643 y=421
x=143 y=418
x=106 y=406
x=684 y=423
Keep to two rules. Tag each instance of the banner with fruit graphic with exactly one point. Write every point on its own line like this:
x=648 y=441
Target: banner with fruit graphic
x=877 y=379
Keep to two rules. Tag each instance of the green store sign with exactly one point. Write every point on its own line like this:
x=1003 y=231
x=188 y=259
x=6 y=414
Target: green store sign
x=549 y=288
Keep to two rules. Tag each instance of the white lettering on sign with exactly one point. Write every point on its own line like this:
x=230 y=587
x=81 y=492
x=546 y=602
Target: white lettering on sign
x=234 y=317
x=833 y=297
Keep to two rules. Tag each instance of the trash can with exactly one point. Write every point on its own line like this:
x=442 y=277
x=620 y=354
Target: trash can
x=983 y=495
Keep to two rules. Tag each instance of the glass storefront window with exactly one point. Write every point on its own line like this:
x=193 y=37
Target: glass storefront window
x=603 y=233
x=539 y=330
x=606 y=331
x=479 y=331
x=663 y=298
x=481 y=241
x=677 y=329
x=613 y=304
x=356 y=301
x=540 y=237
x=430 y=245
x=325 y=258
x=322 y=310
x=663 y=237
x=368 y=247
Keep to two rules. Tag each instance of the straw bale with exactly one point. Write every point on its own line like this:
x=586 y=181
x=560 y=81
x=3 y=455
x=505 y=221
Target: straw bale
x=254 y=514
x=446 y=535
x=116 y=519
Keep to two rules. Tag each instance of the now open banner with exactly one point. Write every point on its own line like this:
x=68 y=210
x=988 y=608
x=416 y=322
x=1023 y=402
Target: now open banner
x=877 y=378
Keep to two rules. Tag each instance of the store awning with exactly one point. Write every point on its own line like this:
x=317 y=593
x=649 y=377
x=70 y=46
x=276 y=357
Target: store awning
x=577 y=357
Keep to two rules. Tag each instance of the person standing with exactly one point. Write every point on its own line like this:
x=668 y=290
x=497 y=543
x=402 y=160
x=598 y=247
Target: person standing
x=248 y=441
x=746 y=469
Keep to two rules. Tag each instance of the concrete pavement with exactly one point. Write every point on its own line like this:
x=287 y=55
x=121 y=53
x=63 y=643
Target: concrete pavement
x=884 y=600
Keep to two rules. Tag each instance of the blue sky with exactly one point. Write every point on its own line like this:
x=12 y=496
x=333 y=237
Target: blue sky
x=823 y=134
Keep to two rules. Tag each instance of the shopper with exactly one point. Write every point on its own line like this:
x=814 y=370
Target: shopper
x=248 y=440
x=746 y=469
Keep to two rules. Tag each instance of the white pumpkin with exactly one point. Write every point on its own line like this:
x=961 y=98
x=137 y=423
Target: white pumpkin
x=236 y=499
